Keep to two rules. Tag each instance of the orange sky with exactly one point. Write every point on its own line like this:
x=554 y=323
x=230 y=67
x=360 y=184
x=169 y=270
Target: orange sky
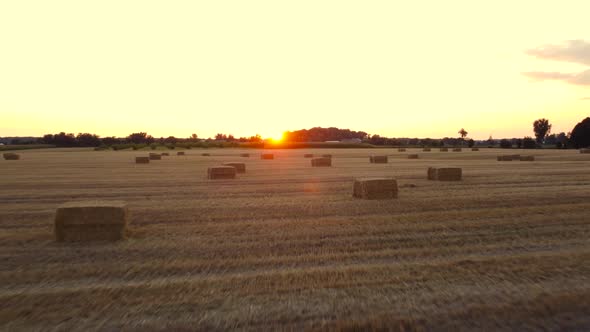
x=412 y=69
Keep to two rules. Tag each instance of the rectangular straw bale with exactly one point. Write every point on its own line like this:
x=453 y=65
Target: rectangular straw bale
x=378 y=159
x=240 y=167
x=413 y=156
x=431 y=173
x=142 y=160
x=374 y=188
x=205 y=154
x=444 y=149
x=155 y=156
x=585 y=150
x=449 y=174
x=474 y=149
x=527 y=158
x=426 y=149
x=245 y=155
x=326 y=156
x=180 y=153
x=457 y=150
x=308 y=155
x=11 y=156
x=321 y=162
x=267 y=156
x=165 y=154
x=401 y=150
x=221 y=172
x=504 y=158
x=91 y=221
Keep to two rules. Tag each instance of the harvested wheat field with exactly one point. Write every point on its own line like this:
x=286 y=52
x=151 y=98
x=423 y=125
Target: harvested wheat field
x=286 y=246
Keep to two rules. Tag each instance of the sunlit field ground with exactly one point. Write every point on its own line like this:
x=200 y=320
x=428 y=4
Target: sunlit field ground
x=285 y=246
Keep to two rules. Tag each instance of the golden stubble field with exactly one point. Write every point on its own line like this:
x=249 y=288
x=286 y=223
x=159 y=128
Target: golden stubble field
x=285 y=246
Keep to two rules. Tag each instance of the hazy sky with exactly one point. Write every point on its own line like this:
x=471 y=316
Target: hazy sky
x=394 y=68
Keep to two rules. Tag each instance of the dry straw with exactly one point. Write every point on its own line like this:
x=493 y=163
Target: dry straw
x=321 y=162
x=585 y=150
x=444 y=149
x=245 y=155
x=142 y=160
x=205 y=154
x=426 y=149
x=374 y=188
x=378 y=159
x=308 y=155
x=401 y=150
x=221 y=172
x=457 y=150
x=166 y=154
x=240 y=167
x=91 y=221
x=527 y=158
x=155 y=156
x=326 y=156
x=474 y=149
x=413 y=156
x=180 y=153
x=267 y=156
x=445 y=173
x=11 y=156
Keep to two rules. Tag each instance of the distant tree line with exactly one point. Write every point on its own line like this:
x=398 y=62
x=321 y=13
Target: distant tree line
x=318 y=134
x=579 y=137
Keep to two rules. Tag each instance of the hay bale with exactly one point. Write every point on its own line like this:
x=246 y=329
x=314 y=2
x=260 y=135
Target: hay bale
x=449 y=174
x=378 y=159
x=527 y=158
x=584 y=150
x=11 y=156
x=326 y=156
x=431 y=173
x=321 y=162
x=221 y=172
x=205 y=154
x=155 y=156
x=445 y=173
x=374 y=188
x=240 y=167
x=505 y=158
x=245 y=155
x=444 y=149
x=308 y=155
x=401 y=150
x=457 y=150
x=426 y=149
x=180 y=153
x=267 y=156
x=474 y=149
x=142 y=160
x=413 y=156
x=166 y=154
x=91 y=221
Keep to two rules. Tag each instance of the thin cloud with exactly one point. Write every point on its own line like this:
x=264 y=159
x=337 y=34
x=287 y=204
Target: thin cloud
x=582 y=78
x=585 y=98
x=576 y=51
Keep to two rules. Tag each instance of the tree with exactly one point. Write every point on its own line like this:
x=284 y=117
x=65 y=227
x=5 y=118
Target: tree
x=171 y=140
x=580 y=135
x=463 y=133
x=470 y=143
x=194 y=138
x=528 y=143
x=139 y=138
x=505 y=144
x=542 y=128
x=87 y=139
